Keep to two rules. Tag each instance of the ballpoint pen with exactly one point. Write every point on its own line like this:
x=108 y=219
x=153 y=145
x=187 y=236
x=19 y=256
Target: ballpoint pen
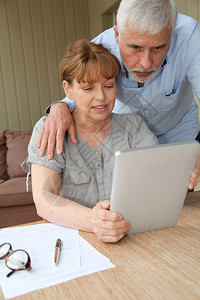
x=58 y=248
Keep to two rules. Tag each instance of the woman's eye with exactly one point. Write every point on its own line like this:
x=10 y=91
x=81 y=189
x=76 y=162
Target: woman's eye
x=109 y=86
x=87 y=89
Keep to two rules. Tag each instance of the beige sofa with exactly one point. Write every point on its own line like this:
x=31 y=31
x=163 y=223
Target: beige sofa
x=16 y=205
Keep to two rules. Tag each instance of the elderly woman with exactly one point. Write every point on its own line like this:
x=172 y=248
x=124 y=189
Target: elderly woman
x=73 y=189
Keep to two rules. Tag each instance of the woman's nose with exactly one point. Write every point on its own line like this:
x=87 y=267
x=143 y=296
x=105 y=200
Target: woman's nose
x=100 y=95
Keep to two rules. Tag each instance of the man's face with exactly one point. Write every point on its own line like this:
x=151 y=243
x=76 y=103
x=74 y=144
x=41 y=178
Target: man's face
x=143 y=54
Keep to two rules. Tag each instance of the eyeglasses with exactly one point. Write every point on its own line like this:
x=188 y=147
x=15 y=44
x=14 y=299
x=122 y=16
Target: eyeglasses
x=15 y=260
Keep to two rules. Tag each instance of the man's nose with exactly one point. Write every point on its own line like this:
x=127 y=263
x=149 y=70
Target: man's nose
x=146 y=60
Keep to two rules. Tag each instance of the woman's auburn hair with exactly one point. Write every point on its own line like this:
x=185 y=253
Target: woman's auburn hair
x=87 y=61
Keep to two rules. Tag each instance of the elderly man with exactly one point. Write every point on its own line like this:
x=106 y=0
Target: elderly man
x=159 y=53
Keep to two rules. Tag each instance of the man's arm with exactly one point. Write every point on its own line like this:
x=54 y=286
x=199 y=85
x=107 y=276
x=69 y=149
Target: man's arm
x=195 y=178
x=56 y=124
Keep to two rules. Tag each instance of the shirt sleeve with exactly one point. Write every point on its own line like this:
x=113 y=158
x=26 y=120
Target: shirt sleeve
x=58 y=162
x=69 y=102
x=193 y=60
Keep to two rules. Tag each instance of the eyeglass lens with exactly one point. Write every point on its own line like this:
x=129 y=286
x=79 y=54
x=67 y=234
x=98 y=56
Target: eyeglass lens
x=17 y=260
x=4 y=250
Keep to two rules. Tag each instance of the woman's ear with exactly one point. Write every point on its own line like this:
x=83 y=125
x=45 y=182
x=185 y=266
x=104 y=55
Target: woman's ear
x=68 y=89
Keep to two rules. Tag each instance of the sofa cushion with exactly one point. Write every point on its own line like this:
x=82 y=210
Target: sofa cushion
x=3 y=166
x=13 y=192
x=17 y=145
x=17 y=215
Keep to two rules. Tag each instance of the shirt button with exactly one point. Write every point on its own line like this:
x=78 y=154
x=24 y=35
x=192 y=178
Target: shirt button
x=99 y=177
x=100 y=189
x=98 y=165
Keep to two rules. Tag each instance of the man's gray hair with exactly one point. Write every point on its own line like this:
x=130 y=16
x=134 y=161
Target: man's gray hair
x=146 y=15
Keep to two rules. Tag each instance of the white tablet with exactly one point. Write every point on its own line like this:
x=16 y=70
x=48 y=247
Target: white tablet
x=150 y=184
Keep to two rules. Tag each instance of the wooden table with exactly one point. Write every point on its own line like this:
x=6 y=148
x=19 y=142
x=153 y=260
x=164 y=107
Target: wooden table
x=162 y=264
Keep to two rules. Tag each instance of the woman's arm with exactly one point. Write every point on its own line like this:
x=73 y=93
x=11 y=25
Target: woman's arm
x=52 y=207
x=108 y=226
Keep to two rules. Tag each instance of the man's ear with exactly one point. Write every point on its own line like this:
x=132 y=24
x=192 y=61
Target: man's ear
x=68 y=90
x=116 y=34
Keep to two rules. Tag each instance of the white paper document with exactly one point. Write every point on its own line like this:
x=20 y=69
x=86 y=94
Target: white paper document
x=78 y=258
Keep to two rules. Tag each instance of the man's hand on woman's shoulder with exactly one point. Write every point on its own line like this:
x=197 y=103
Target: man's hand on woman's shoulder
x=53 y=130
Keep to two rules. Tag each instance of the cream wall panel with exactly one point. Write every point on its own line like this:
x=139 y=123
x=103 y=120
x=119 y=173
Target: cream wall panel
x=181 y=4
x=32 y=98
x=192 y=8
x=189 y=7
x=33 y=38
x=3 y=108
x=70 y=27
x=60 y=32
x=81 y=19
x=40 y=57
x=21 y=91
x=198 y=6
x=4 y=73
x=7 y=65
x=50 y=44
x=96 y=8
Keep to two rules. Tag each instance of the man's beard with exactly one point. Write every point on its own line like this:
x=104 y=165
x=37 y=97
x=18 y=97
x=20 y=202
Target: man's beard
x=142 y=79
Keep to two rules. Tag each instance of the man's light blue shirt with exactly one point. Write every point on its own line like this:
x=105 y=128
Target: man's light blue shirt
x=166 y=102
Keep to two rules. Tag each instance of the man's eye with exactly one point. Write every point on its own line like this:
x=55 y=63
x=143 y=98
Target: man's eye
x=135 y=47
x=160 y=47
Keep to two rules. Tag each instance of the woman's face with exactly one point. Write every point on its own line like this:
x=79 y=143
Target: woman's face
x=96 y=100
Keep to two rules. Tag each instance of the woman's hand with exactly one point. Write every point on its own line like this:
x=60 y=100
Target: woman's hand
x=107 y=225
x=53 y=130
